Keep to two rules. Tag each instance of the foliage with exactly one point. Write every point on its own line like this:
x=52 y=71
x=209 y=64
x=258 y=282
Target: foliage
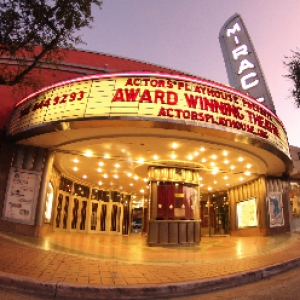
x=293 y=66
x=34 y=32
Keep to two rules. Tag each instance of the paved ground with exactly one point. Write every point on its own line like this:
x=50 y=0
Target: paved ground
x=124 y=267
x=283 y=286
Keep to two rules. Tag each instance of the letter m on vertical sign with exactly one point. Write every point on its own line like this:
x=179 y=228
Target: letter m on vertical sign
x=242 y=64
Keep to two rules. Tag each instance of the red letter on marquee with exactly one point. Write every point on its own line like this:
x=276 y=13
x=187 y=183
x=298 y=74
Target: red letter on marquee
x=119 y=96
x=131 y=94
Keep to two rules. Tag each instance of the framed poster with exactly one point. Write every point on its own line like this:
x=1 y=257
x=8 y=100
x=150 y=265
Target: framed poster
x=21 y=196
x=274 y=201
x=247 y=213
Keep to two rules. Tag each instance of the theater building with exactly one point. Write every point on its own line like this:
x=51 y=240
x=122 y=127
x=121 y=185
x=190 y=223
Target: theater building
x=120 y=147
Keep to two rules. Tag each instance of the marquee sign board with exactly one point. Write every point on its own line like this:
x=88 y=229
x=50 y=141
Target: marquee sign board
x=242 y=64
x=153 y=97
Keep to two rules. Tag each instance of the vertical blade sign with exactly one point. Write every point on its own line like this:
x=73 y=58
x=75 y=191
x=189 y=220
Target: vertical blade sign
x=242 y=64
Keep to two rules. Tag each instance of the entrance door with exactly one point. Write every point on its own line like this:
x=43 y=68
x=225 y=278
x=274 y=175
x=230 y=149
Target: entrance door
x=79 y=214
x=214 y=215
x=62 y=212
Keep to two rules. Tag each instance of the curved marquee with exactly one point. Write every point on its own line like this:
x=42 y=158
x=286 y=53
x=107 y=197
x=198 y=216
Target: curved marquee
x=154 y=97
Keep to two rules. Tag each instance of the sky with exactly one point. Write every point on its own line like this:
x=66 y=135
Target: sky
x=183 y=35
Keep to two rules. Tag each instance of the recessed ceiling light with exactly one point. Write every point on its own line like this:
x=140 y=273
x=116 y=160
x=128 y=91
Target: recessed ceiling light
x=135 y=177
x=116 y=176
x=225 y=153
x=155 y=157
x=131 y=184
x=101 y=164
x=190 y=157
x=196 y=153
x=214 y=156
x=145 y=179
x=117 y=165
x=203 y=160
x=105 y=175
x=212 y=164
x=106 y=156
x=84 y=176
x=75 y=168
x=249 y=166
x=142 y=191
x=225 y=177
x=141 y=160
x=232 y=167
x=202 y=149
x=129 y=174
x=240 y=159
x=76 y=160
x=100 y=183
x=241 y=179
x=215 y=170
x=88 y=153
x=201 y=184
x=215 y=182
x=99 y=170
x=200 y=178
x=173 y=155
x=226 y=161
x=209 y=188
x=247 y=173
x=174 y=145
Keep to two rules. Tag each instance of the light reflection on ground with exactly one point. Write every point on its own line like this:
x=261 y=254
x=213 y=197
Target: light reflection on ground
x=134 y=248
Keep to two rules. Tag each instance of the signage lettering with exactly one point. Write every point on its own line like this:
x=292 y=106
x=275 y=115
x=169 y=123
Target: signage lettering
x=243 y=68
x=245 y=63
x=202 y=103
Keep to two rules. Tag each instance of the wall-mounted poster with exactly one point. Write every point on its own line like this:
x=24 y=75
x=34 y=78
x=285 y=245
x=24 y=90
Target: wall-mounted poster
x=21 y=196
x=247 y=213
x=274 y=201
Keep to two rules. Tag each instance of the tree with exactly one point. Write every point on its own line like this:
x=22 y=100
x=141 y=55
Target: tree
x=293 y=66
x=34 y=32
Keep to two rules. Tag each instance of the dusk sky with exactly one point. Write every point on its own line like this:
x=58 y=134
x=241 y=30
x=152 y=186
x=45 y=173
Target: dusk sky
x=183 y=35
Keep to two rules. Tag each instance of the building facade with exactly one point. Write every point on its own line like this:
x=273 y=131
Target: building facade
x=120 y=147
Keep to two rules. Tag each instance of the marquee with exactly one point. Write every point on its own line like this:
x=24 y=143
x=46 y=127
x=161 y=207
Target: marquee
x=154 y=97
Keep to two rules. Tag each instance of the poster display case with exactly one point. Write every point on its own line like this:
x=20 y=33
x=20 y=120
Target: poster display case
x=21 y=196
x=274 y=200
x=247 y=213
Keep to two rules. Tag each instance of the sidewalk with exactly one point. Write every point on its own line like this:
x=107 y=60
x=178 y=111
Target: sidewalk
x=116 y=267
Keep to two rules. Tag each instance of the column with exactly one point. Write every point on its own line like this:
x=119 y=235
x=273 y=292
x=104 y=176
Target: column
x=153 y=200
x=46 y=175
